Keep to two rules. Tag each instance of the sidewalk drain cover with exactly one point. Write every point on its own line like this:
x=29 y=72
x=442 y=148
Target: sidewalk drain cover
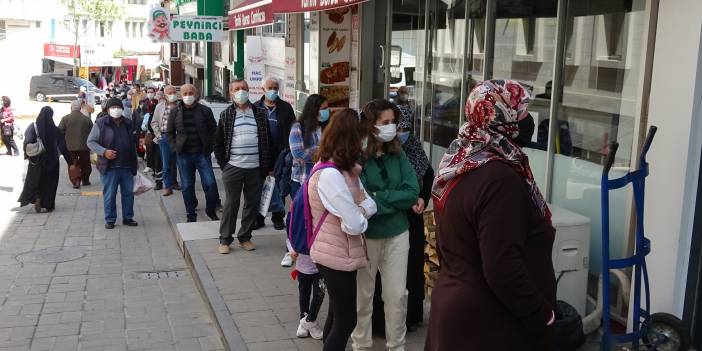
x=161 y=275
x=51 y=255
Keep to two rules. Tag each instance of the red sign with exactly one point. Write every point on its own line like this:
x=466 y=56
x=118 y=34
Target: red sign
x=56 y=50
x=251 y=13
x=130 y=61
x=297 y=6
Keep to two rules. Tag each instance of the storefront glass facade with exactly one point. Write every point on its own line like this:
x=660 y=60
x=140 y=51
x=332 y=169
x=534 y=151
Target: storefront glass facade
x=441 y=49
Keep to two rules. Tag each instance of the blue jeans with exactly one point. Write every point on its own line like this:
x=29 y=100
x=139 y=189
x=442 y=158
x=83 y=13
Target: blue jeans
x=277 y=203
x=167 y=156
x=187 y=164
x=113 y=178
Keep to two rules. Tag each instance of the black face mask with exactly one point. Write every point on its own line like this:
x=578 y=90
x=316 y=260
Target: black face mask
x=526 y=130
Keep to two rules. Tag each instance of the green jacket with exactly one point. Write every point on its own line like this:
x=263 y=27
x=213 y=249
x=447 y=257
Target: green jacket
x=394 y=190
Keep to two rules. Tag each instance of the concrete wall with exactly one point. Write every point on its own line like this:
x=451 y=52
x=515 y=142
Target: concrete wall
x=676 y=94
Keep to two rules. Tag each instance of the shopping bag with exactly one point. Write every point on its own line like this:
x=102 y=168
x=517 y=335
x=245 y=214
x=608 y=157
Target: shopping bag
x=74 y=173
x=142 y=184
x=93 y=158
x=266 y=195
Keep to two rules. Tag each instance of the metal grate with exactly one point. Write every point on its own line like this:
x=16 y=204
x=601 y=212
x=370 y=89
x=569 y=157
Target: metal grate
x=162 y=275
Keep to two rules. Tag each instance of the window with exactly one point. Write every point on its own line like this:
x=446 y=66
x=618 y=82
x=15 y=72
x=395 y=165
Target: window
x=3 y=33
x=277 y=28
x=127 y=29
x=141 y=29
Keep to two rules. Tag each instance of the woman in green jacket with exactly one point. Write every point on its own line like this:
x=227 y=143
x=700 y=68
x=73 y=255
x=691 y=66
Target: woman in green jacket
x=391 y=181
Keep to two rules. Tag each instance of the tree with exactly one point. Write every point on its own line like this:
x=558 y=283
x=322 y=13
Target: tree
x=96 y=10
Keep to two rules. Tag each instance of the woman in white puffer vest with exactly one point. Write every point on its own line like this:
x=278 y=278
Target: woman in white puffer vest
x=337 y=200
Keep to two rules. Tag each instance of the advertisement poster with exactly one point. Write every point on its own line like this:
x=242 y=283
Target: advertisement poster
x=335 y=55
x=354 y=98
x=255 y=67
x=159 y=25
x=314 y=53
x=288 y=87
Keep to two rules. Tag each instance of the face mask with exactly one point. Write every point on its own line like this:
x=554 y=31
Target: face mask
x=403 y=136
x=403 y=97
x=241 y=97
x=386 y=132
x=272 y=94
x=116 y=112
x=189 y=100
x=150 y=96
x=324 y=115
x=172 y=98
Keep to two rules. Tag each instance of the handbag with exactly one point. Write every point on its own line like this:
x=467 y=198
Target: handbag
x=36 y=148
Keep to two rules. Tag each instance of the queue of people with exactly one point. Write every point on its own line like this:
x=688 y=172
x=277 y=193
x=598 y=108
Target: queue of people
x=368 y=182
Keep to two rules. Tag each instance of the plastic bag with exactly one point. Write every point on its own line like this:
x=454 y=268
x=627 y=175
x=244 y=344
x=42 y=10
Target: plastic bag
x=266 y=195
x=142 y=184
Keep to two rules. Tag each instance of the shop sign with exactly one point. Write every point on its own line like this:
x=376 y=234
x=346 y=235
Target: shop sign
x=158 y=25
x=251 y=14
x=130 y=61
x=183 y=2
x=196 y=28
x=290 y=76
x=96 y=56
x=297 y=6
x=57 y=50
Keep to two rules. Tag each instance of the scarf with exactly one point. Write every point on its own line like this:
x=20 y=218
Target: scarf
x=412 y=147
x=493 y=110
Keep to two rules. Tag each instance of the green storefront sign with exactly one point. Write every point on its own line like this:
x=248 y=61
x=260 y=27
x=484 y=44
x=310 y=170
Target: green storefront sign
x=196 y=28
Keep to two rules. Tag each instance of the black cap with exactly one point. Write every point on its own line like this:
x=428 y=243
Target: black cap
x=114 y=102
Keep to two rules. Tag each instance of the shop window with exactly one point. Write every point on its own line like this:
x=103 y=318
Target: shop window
x=611 y=38
x=3 y=30
x=277 y=28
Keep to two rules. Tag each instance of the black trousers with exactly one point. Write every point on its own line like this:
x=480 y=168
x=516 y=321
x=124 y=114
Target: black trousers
x=10 y=144
x=235 y=181
x=341 y=319
x=310 y=286
x=82 y=159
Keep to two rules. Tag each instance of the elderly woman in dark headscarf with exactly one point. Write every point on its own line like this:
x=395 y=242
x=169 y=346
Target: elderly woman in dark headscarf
x=43 y=170
x=496 y=288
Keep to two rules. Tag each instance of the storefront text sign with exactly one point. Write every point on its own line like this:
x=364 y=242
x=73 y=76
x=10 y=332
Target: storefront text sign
x=251 y=14
x=57 y=50
x=196 y=28
x=296 y=6
x=255 y=67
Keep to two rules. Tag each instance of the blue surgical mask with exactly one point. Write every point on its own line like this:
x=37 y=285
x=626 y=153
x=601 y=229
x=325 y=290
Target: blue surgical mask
x=272 y=94
x=324 y=115
x=403 y=136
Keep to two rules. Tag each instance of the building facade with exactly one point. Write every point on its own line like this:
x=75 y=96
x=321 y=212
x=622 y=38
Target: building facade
x=600 y=71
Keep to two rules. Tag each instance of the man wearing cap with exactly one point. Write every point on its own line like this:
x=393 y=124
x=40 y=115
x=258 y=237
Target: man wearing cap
x=113 y=140
x=76 y=127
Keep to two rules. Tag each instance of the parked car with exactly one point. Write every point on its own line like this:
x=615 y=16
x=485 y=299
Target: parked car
x=61 y=88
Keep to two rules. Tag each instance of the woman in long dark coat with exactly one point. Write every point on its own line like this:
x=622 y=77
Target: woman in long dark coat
x=496 y=288
x=43 y=171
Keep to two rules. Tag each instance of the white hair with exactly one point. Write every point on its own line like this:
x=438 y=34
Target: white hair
x=274 y=79
x=76 y=105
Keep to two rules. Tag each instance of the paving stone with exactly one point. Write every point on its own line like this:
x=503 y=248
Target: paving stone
x=72 y=328
x=280 y=345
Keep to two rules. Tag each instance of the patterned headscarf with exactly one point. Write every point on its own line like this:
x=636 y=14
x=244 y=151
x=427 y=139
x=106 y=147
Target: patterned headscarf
x=493 y=109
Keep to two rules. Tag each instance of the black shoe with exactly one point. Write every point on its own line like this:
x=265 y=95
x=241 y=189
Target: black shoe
x=159 y=186
x=259 y=223
x=86 y=183
x=192 y=219
x=278 y=223
x=213 y=216
x=109 y=226
x=176 y=186
x=130 y=223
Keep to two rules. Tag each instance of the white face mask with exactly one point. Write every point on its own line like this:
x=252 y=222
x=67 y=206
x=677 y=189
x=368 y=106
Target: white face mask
x=172 y=98
x=116 y=112
x=150 y=96
x=189 y=100
x=241 y=97
x=386 y=132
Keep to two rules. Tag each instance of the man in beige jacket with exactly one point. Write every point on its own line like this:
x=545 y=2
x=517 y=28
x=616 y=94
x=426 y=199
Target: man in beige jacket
x=159 y=124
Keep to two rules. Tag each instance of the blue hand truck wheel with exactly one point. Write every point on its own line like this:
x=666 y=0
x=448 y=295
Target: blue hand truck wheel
x=666 y=333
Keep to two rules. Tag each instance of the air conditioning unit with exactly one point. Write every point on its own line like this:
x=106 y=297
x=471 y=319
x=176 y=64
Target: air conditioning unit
x=571 y=256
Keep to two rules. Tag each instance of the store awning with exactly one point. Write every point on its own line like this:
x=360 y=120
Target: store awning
x=251 y=13
x=289 y=6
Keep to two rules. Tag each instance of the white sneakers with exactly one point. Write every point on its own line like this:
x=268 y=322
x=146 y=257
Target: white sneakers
x=312 y=329
x=287 y=260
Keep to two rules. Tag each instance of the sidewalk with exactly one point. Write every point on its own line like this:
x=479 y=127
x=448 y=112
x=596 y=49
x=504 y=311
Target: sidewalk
x=257 y=295
x=67 y=283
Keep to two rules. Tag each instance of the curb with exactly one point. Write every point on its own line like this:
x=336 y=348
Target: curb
x=228 y=331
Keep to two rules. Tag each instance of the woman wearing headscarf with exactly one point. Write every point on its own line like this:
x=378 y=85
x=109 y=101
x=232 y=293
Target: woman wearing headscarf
x=496 y=288
x=43 y=171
